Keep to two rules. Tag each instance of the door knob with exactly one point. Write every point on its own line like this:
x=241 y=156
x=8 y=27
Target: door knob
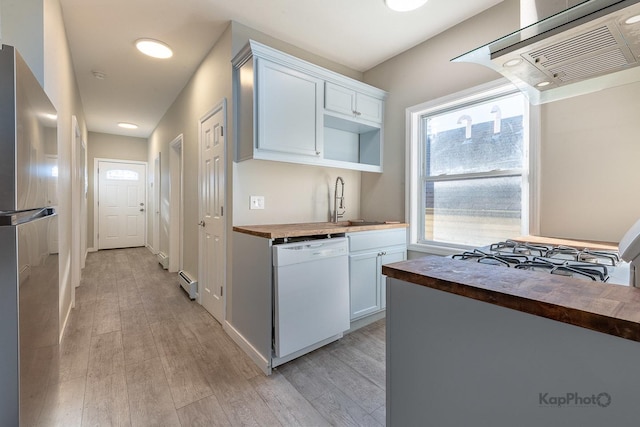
x=141 y=210
x=201 y=223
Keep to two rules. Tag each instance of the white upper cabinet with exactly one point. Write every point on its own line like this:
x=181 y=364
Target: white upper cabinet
x=289 y=110
x=352 y=104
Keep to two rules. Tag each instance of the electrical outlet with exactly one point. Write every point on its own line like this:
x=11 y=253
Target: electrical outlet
x=257 y=202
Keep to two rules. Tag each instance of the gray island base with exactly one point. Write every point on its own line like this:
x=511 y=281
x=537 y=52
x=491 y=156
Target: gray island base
x=462 y=360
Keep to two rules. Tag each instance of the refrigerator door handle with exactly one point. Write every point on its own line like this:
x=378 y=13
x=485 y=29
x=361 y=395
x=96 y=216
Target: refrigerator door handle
x=16 y=218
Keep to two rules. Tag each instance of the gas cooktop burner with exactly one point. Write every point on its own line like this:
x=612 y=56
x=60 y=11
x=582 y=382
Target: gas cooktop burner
x=520 y=248
x=599 y=257
x=590 y=264
x=496 y=258
x=595 y=272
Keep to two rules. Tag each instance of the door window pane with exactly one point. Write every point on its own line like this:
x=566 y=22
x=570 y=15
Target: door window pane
x=122 y=175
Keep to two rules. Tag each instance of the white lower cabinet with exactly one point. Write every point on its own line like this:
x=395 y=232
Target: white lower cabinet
x=368 y=252
x=389 y=256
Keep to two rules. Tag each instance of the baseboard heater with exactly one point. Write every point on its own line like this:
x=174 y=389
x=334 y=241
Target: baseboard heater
x=188 y=284
x=163 y=259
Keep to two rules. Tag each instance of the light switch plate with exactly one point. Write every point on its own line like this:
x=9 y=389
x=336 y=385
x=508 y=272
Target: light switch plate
x=257 y=202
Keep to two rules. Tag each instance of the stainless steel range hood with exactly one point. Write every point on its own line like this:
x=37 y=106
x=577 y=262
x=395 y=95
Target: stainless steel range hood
x=585 y=48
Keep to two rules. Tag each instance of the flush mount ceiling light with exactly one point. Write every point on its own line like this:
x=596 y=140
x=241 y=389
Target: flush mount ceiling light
x=404 y=5
x=126 y=125
x=154 y=48
x=633 y=20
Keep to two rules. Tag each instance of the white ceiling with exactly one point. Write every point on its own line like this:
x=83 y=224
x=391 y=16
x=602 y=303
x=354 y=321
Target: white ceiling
x=357 y=33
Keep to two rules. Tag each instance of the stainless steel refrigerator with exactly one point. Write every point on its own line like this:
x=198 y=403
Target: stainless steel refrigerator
x=29 y=289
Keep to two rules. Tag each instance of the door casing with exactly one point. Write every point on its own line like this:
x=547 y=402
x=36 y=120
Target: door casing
x=176 y=203
x=220 y=107
x=96 y=193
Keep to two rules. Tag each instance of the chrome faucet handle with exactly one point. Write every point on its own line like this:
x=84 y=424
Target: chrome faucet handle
x=338 y=200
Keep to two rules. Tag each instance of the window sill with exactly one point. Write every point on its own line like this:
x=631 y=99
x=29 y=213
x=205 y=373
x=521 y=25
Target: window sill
x=443 y=250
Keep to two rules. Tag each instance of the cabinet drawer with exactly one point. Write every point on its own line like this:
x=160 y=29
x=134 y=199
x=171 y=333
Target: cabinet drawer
x=366 y=240
x=339 y=99
x=369 y=108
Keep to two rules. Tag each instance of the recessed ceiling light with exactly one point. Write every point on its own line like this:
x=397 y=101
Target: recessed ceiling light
x=543 y=84
x=154 y=48
x=404 y=5
x=512 y=62
x=632 y=20
x=126 y=125
x=51 y=116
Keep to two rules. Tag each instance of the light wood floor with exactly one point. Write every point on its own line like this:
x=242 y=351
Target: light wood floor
x=137 y=352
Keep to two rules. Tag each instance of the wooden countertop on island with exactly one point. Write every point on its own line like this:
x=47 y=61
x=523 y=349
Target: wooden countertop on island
x=607 y=308
x=275 y=231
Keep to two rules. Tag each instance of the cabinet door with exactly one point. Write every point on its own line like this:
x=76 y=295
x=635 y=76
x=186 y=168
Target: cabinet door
x=289 y=110
x=364 y=275
x=368 y=108
x=339 y=99
x=390 y=256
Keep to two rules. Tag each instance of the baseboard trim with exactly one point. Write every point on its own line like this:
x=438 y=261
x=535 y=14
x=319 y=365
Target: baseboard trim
x=277 y=361
x=258 y=359
x=64 y=324
x=362 y=322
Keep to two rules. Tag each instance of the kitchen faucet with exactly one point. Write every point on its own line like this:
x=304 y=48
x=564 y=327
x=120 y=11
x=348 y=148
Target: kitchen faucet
x=336 y=214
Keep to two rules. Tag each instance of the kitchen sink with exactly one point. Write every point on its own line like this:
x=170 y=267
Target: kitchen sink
x=356 y=222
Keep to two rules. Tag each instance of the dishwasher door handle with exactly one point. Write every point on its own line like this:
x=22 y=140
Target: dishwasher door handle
x=295 y=253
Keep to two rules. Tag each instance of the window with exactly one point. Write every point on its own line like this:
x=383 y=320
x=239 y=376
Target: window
x=122 y=175
x=469 y=168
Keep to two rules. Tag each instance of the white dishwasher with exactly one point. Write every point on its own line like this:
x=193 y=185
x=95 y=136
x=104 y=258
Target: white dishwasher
x=311 y=295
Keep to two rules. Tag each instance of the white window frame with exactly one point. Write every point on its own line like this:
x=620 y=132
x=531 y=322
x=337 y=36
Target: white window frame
x=413 y=197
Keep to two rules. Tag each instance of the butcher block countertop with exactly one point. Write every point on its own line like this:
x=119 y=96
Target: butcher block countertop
x=275 y=231
x=607 y=308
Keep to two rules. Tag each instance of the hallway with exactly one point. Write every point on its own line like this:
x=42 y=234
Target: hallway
x=137 y=351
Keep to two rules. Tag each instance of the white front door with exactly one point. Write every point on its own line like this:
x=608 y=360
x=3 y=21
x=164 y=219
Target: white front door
x=211 y=271
x=121 y=204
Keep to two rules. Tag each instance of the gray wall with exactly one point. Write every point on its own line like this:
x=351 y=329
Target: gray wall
x=105 y=146
x=418 y=75
x=36 y=28
x=293 y=193
x=589 y=165
x=22 y=26
x=454 y=361
x=207 y=87
x=589 y=144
